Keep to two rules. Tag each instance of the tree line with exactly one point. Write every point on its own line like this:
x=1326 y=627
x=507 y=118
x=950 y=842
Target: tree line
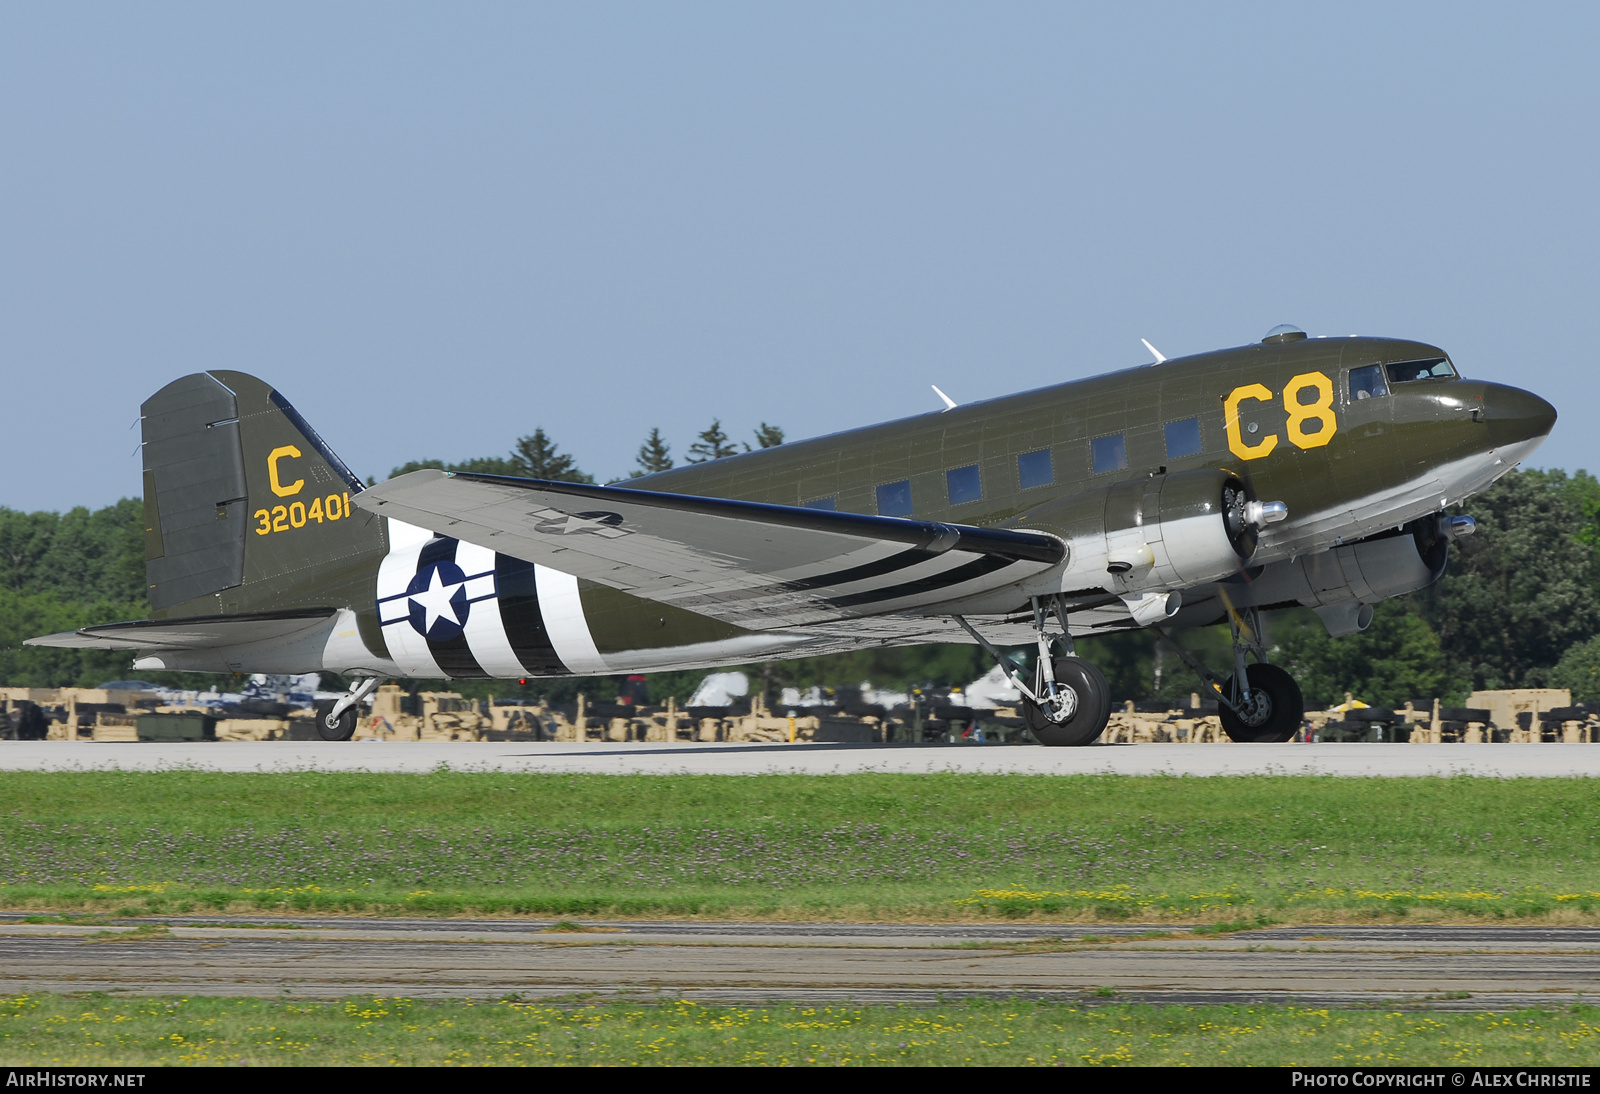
x=536 y=456
x=1519 y=605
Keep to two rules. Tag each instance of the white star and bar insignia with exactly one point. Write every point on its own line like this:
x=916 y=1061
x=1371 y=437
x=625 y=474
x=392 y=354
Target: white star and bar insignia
x=553 y=522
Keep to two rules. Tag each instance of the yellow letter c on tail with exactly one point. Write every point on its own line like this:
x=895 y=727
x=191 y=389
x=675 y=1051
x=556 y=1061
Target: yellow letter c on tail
x=288 y=451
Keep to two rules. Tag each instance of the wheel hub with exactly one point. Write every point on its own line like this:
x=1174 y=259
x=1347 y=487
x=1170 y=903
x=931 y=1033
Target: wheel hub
x=1257 y=711
x=1062 y=707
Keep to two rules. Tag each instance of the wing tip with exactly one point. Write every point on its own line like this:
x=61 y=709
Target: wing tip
x=61 y=639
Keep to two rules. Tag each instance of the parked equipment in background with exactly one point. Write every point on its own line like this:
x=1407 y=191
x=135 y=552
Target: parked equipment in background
x=177 y=727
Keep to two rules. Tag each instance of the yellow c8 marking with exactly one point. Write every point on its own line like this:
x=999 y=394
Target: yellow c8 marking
x=288 y=451
x=1230 y=418
x=1321 y=410
x=296 y=515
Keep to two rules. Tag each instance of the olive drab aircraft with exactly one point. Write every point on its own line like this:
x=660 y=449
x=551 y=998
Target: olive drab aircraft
x=1192 y=492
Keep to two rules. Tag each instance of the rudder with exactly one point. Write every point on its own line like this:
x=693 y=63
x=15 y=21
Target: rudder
x=194 y=491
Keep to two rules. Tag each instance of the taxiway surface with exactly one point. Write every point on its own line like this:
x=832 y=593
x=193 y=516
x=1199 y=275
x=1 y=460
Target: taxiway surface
x=1356 y=760
x=1458 y=968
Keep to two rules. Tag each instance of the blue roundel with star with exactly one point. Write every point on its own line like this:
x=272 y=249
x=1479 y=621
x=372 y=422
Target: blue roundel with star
x=437 y=597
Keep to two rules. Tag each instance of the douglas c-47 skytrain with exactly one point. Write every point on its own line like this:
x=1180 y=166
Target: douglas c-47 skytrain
x=1191 y=492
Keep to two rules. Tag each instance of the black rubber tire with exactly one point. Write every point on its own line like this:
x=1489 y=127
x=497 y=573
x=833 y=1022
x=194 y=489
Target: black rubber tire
x=1088 y=721
x=31 y=723
x=343 y=731
x=1285 y=707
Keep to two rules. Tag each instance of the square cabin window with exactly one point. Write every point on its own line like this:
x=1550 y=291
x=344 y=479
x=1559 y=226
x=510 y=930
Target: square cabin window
x=1035 y=469
x=964 y=484
x=1183 y=438
x=1367 y=383
x=894 y=499
x=1108 y=454
x=830 y=504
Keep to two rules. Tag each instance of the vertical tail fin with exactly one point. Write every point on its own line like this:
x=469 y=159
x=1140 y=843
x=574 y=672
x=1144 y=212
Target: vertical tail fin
x=246 y=508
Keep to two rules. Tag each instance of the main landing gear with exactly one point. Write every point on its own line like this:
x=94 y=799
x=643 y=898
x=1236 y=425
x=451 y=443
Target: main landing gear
x=1069 y=702
x=1259 y=703
x=336 y=721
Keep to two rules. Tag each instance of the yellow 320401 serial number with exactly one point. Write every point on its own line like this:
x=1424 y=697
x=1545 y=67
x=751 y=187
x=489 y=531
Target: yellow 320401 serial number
x=281 y=518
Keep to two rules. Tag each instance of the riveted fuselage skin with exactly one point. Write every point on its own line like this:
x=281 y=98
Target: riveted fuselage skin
x=1377 y=445
x=1277 y=418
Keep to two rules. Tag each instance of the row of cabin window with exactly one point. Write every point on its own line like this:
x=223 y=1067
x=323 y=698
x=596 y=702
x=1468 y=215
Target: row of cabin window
x=1111 y=453
x=962 y=484
x=965 y=484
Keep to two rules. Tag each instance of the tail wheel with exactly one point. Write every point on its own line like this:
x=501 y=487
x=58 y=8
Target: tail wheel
x=1089 y=716
x=342 y=729
x=1273 y=714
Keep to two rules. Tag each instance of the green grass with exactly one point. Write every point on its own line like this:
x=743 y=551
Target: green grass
x=40 y=1030
x=1234 y=852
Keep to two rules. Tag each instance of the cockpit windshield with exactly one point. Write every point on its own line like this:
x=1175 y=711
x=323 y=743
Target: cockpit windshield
x=1367 y=382
x=1433 y=368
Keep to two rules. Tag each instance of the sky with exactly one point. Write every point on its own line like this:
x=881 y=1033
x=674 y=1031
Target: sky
x=436 y=227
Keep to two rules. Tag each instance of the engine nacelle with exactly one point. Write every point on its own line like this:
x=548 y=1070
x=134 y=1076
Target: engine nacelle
x=1171 y=531
x=1342 y=584
x=1157 y=533
x=1373 y=569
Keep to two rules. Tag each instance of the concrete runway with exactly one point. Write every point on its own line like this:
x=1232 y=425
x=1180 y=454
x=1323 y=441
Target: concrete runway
x=1452 y=968
x=1499 y=760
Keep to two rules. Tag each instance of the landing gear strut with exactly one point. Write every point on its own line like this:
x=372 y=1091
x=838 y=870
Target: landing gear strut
x=336 y=721
x=1069 y=702
x=1259 y=703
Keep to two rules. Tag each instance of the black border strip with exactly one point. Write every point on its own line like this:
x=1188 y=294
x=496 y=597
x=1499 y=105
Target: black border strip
x=517 y=589
x=890 y=564
x=930 y=584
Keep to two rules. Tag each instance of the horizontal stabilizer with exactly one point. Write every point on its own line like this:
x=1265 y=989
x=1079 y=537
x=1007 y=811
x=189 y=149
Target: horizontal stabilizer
x=206 y=632
x=757 y=565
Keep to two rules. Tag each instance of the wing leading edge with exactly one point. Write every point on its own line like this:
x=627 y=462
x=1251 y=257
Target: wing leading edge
x=753 y=564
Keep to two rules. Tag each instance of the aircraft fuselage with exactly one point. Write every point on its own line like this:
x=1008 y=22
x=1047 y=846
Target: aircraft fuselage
x=1354 y=444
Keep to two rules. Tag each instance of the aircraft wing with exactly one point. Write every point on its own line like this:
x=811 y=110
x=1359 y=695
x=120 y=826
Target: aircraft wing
x=187 y=634
x=756 y=565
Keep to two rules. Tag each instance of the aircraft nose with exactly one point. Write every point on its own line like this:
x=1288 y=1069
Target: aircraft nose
x=1516 y=415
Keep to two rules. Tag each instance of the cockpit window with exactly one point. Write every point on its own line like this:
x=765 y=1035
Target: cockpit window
x=1434 y=368
x=1367 y=382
